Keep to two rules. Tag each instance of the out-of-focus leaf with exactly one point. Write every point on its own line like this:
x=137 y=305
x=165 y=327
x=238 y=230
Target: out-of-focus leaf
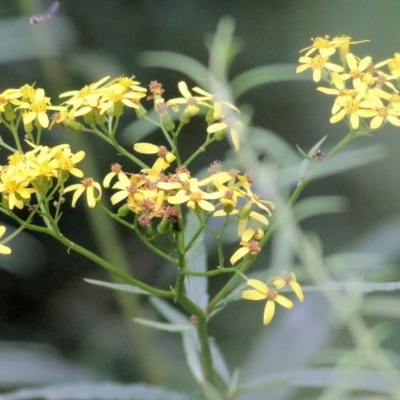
x=381 y=306
x=314 y=206
x=308 y=157
x=264 y=75
x=303 y=153
x=169 y=313
x=196 y=287
x=219 y=362
x=270 y=143
x=211 y=392
x=178 y=62
x=140 y=128
x=163 y=326
x=24 y=364
x=118 y=286
x=191 y=345
x=319 y=378
x=97 y=391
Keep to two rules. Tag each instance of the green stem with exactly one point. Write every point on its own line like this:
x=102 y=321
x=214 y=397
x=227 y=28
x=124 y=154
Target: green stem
x=202 y=332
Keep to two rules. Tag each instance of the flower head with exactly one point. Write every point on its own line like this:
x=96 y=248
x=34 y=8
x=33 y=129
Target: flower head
x=88 y=185
x=290 y=279
x=261 y=292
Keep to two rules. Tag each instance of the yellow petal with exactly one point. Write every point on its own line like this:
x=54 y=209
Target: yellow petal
x=146 y=148
x=269 y=312
x=253 y=295
x=260 y=286
x=283 y=301
x=297 y=289
x=238 y=254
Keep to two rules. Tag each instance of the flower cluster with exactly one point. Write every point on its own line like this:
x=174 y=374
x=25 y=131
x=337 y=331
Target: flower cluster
x=358 y=84
x=261 y=291
x=35 y=172
x=154 y=194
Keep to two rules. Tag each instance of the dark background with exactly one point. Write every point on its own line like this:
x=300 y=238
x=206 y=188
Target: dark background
x=43 y=298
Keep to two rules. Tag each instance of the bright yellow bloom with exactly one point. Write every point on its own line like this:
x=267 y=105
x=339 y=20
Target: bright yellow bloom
x=234 y=128
x=67 y=160
x=36 y=109
x=125 y=85
x=217 y=104
x=196 y=197
x=322 y=44
x=250 y=244
x=165 y=158
x=317 y=64
x=261 y=292
x=88 y=96
x=290 y=279
x=4 y=249
x=350 y=106
x=356 y=68
x=88 y=185
x=343 y=43
x=380 y=113
x=192 y=102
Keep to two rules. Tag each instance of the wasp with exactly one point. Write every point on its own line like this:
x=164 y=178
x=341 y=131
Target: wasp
x=48 y=14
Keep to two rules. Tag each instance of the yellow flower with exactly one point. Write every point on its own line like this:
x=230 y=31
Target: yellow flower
x=192 y=102
x=88 y=185
x=350 y=106
x=196 y=197
x=356 y=69
x=250 y=244
x=4 y=249
x=165 y=158
x=37 y=108
x=234 y=127
x=323 y=45
x=262 y=292
x=218 y=104
x=379 y=112
x=317 y=64
x=290 y=279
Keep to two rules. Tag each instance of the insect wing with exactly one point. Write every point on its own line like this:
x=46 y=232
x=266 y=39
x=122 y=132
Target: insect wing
x=52 y=9
x=35 y=19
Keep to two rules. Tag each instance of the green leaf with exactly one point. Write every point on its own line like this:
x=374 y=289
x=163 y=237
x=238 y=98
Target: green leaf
x=196 y=287
x=140 y=128
x=219 y=362
x=314 y=206
x=191 y=346
x=162 y=326
x=24 y=364
x=264 y=75
x=98 y=391
x=304 y=154
x=118 y=286
x=169 y=313
x=175 y=61
x=308 y=157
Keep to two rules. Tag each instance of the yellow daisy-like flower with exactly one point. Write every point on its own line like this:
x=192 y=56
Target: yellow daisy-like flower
x=234 y=128
x=218 y=105
x=290 y=279
x=250 y=244
x=380 y=113
x=322 y=44
x=196 y=197
x=356 y=68
x=88 y=185
x=36 y=109
x=261 y=292
x=165 y=157
x=350 y=106
x=317 y=64
x=192 y=102
x=4 y=249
